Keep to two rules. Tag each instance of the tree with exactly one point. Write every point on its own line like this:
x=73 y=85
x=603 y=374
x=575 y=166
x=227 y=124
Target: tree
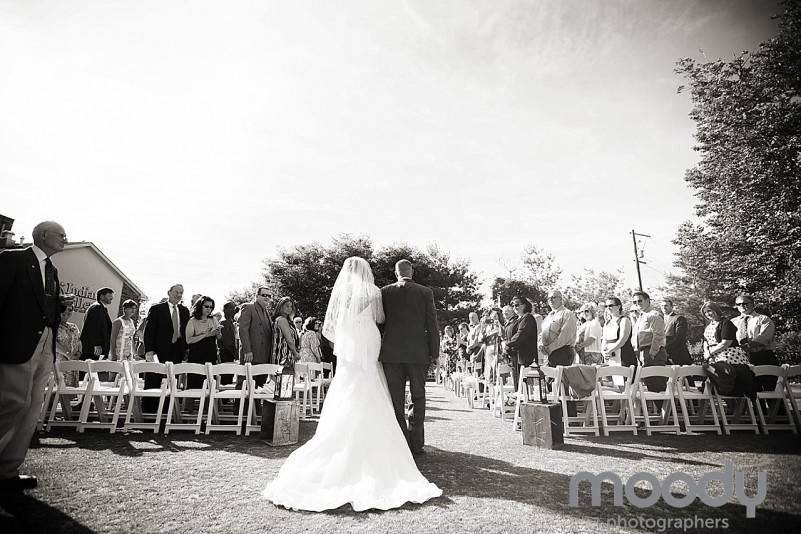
x=594 y=286
x=307 y=273
x=540 y=268
x=748 y=179
x=504 y=290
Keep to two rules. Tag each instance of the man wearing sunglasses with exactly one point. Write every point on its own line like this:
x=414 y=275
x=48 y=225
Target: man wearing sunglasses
x=755 y=333
x=256 y=330
x=676 y=329
x=648 y=338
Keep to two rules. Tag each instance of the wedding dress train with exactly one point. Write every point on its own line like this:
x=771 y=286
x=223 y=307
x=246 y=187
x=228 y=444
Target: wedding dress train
x=358 y=455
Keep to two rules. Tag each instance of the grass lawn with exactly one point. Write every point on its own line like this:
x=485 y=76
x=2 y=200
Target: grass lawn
x=141 y=482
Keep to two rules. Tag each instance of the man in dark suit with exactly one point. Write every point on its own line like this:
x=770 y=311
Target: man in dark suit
x=675 y=335
x=30 y=294
x=256 y=330
x=522 y=340
x=410 y=344
x=96 y=333
x=165 y=336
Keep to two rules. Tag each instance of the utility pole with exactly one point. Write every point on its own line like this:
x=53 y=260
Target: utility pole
x=637 y=260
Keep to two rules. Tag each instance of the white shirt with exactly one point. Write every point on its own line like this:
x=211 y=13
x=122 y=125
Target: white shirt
x=42 y=257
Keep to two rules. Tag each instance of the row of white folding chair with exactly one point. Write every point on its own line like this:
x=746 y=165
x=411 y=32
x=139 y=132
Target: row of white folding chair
x=129 y=383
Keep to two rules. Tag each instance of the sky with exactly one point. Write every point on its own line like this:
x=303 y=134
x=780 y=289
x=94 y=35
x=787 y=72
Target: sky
x=190 y=140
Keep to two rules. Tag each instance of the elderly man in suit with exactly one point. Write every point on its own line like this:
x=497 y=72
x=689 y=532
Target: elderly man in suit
x=410 y=344
x=165 y=337
x=29 y=315
x=96 y=333
x=256 y=330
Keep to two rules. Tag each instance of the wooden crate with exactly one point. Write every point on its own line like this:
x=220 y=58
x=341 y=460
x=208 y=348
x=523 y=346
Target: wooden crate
x=279 y=422
x=542 y=425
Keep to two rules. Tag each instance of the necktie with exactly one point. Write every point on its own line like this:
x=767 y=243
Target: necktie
x=745 y=328
x=176 y=325
x=50 y=278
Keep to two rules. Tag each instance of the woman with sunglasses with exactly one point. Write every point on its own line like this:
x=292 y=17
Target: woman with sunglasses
x=202 y=332
x=616 y=344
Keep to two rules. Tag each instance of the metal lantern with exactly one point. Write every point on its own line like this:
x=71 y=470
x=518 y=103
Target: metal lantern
x=285 y=383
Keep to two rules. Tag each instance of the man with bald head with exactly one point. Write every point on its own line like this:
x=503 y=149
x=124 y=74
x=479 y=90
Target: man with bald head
x=30 y=295
x=410 y=344
x=558 y=332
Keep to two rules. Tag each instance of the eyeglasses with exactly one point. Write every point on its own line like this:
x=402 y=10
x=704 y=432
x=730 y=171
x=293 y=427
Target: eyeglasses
x=744 y=304
x=265 y=296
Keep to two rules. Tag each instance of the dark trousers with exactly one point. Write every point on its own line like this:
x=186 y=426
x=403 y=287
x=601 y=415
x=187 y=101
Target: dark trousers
x=764 y=357
x=654 y=383
x=564 y=356
x=397 y=374
x=175 y=354
x=227 y=356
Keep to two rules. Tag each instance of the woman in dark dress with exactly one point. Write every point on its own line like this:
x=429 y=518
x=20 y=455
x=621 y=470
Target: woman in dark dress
x=616 y=345
x=202 y=332
x=285 y=337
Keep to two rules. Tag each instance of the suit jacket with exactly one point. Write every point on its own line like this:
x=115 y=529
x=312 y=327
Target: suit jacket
x=410 y=330
x=96 y=330
x=158 y=331
x=523 y=339
x=255 y=332
x=24 y=311
x=676 y=339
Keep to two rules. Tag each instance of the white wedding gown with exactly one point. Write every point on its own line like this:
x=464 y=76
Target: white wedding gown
x=358 y=455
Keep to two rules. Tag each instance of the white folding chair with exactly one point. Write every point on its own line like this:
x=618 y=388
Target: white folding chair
x=780 y=397
x=552 y=377
x=64 y=393
x=503 y=391
x=180 y=372
x=105 y=395
x=738 y=405
x=218 y=393
x=135 y=417
x=50 y=389
x=302 y=388
x=608 y=378
x=253 y=393
x=315 y=383
x=580 y=420
x=664 y=400
x=328 y=368
x=695 y=398
x=793 y=381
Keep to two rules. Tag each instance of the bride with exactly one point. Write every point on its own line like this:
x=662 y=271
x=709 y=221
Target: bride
x=358 y=454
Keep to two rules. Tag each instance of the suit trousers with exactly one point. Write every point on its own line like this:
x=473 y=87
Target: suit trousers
x=22 y=388
x=153 y=380
x=653 y=383
x=397 y=374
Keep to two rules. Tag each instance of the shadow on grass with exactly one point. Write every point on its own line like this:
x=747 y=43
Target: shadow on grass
x=469 y=475
x=139 y=443
x=33 y=516
x=775 y=443
x=631 y=455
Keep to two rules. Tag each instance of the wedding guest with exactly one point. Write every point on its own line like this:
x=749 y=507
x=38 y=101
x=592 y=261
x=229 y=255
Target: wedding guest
x=721 y=345
x=449 y=346
x=285 y=337
x=474 y=336
x=227 y=343
x=522 y=341
x=202 y=333
x=96 y=334
x=558 y=331
x=310 y=341
x=463 y=335
x=164 y=337
x=194 y=299
x=492 y=343
x=600 y=313
x=68 y=343
x=298 y=323
x=588 y=337
x=616 y=344
x=675 y=335
x=648 y=338
x=755 y=334
x=139 y=336
x=256 y=331
x=30 y=295
x=122 y=333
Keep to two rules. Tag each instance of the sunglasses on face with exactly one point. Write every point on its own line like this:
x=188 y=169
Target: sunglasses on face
x=744 y=304
x=266 y=296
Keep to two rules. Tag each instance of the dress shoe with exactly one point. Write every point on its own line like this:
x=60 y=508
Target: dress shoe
x=19 y=482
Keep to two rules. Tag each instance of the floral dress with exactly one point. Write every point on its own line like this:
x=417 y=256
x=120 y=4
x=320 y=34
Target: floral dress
x=68 y=347
x=310 y=347
x=450 y=351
